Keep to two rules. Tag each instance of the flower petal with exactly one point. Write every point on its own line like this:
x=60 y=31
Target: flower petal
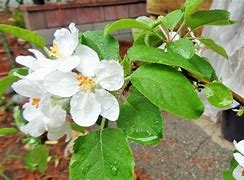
x=27 y=61
x=58 y=132
x=84 y=109
x=68 y=64
x=88 y=60
x=237 y=173
x=39 y=74
x=109 y=104
x=61 y=84
x=35 y=128
x=27 y=88
x=239 y=158
x=66 y=41
x=110 y=75
x=239 y=146
x=37 y=53
x=31 y=112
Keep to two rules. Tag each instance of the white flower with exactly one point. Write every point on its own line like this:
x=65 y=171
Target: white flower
x=238 y=172
x=87 y=89
x=64 y=45
x=38 y=123
x=40 y=113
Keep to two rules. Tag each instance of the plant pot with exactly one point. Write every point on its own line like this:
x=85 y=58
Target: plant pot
x=232 y=126
x=40 y=2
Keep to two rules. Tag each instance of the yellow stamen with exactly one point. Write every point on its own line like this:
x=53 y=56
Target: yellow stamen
x=35 y=102
x=85 y=82
x=54 y=50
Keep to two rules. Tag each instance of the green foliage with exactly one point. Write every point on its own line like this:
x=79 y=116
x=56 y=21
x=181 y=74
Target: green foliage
x=125 y=24
x=204 y=67
x=227 y=174
x=105 y=45
x=190 y=6
x=218 y=94
x=37 y=158
x=210 y=44
x=77 y=128
x=24 y=34
x=168 y=89
x=209 y=17
x=7 y=131
x=140 y=120
x=153 y=55
x=6 y=82
x=183 y=47
x=172 y=19
x=19 y=120
x=102 y=155
x=126 y=63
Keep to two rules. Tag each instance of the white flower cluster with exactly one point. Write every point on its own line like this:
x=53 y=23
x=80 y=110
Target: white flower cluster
x=238 y=172
x=72 y=81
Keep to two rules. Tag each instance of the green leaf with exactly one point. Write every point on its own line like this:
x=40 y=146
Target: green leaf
x=7 y=131
x=126 y=63
x=24 y=34
x=137 y=32
x=183 y=47
x=168 y=89
x=7 y=81
x=154 y=55
x=210 y=44
x=125 y=24
x=140 y=120
x=172 y=19
x=105 y=45
x=209 y=17
x=204 y=67
x=18 y=118
x=101 y=156
x=191 y=6
x=77 y=128
x=37 y=158
x=218 y=94
x=227 y=175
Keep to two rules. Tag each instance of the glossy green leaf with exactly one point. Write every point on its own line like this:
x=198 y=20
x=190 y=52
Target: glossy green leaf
x=105 y=45
x=209 y=17
x=126 y=63
x=210 y=44
x=126 y=24
x=151 y=39
x=7 y=81
x=37 y=158
x=168 y=89
x=183 y=47
x=172 y=19
x=153 y=55
x=204 y=67
x=24 y=34
x=7 y=131
x=140 y=120
x=218 y=94
x=137 y=32
x=191 y=6
x=100 y=156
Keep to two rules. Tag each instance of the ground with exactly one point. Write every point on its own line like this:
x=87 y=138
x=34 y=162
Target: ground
x=186 y=152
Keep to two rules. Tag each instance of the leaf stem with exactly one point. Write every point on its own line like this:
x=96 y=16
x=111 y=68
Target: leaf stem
x=102 y=124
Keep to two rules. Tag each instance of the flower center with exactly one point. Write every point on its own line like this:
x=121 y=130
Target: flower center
x=35 y=102
x=85 y=82
x=54 y=50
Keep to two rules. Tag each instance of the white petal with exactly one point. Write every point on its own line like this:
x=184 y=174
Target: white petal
x=61 y=84
x=174 y=35
x=239 y=146
x=27 y=88
x=31 y=112
x=58 y=132
x=39 y=74
x=110 y=75
x=35 y=128
x=85 y=109
x=73 y=29
x=68 y=64
x=66 y=41
x=109 y=104
x=88 y=60
x=37 y=53
x=239 y=158
x=27 y=61
x=237 y=173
